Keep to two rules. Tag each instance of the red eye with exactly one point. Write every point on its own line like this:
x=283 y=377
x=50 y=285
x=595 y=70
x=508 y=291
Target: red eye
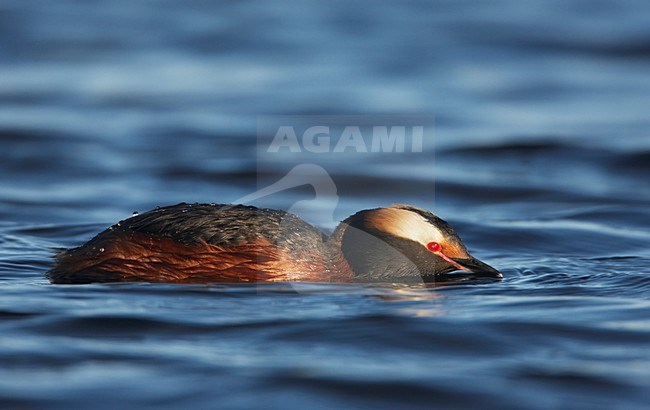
x=434 y=246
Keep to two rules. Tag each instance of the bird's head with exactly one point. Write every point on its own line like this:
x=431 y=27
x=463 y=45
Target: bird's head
x=403 y=241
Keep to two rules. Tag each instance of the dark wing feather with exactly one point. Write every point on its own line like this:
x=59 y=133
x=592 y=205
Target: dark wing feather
x=223 y=225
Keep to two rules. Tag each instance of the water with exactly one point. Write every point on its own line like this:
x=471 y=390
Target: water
x=541 y=163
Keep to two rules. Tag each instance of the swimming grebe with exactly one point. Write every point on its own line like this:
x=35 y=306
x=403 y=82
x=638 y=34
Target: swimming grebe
x=200 y=243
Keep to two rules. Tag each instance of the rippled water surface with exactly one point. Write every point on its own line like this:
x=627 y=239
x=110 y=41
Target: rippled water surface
x=541 y=162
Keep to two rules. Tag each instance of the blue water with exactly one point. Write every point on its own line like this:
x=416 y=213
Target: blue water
x=540 y=161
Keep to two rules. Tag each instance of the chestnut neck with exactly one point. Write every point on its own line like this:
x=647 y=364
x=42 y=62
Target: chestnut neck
x=337 y=265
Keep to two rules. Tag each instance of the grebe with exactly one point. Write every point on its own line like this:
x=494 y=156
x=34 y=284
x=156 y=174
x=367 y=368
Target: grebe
x=201 y=243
